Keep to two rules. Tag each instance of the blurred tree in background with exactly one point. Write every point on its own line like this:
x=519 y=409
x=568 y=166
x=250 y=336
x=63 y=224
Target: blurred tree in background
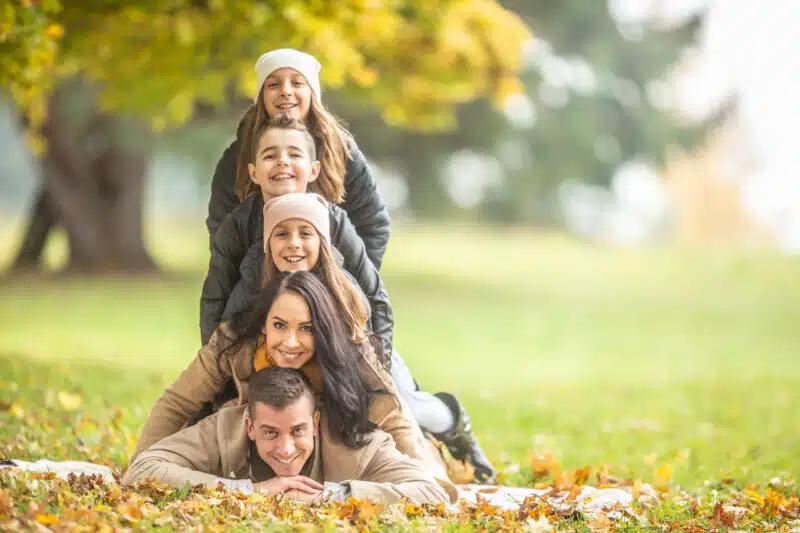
x=79 y=71
x=596 y=97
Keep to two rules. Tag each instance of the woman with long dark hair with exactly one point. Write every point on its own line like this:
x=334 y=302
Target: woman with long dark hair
x=295 y=322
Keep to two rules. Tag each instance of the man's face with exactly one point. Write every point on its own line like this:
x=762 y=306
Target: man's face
x=283 y=163
x=284 y=437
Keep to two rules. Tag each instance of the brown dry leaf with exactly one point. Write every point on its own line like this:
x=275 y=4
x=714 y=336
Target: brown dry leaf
x=368 y=510
x=543 y=464
x=564 y=482
x=600 y=523
x=605 y=479
x=581 y=476
x=574 y=492
x=6 y=502
x=359 y=510
x=721 y=518
x=483 y=507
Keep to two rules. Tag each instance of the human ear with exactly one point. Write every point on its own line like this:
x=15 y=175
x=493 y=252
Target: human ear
x=249 y=427
x=251 y=169
x=316 y=423
x=315 y=169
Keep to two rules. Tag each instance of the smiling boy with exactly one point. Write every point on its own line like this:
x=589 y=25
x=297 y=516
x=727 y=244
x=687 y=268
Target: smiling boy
x=283 y=161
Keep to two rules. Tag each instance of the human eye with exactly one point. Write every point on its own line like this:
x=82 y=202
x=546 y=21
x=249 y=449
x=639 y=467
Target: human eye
x=277 y=324
x=272 y=84
x=299 y=432
x=280 y=233
x=306 y=329
x=269 y=433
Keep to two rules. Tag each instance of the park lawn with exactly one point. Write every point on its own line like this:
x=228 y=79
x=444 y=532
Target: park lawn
x=675 y=367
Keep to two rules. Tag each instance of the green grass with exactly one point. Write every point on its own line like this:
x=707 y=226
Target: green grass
x=634 y=358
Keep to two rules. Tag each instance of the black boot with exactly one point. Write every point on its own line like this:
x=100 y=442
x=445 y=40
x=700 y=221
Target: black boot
x=461 y=441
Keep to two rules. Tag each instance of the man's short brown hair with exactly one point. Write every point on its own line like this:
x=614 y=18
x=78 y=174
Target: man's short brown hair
x=278 y=387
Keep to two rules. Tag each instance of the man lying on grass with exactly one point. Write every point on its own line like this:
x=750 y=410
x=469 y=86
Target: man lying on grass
x=279 y=443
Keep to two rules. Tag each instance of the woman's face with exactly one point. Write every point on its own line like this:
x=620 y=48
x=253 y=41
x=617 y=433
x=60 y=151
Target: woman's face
x=294 y=245
x=288 y=331
x=287 y=92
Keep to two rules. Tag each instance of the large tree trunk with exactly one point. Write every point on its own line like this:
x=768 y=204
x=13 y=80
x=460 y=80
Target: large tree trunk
x=42 y=219
x=426 y=193
x=93 y=186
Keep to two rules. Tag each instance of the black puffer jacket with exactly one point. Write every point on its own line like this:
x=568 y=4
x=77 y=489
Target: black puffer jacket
x=236 y=268
x=362 y=201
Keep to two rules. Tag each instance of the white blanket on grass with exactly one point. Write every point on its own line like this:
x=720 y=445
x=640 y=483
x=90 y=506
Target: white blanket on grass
x=589 y=501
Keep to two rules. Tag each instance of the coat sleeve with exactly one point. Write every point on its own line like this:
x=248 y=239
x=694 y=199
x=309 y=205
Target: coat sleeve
x=391 y=476
x=197 y=384
x=223 y=190
x=345 y=239
x=228 y=248
x=223 y=184
x=389 y=412
x=247 y=288
x=365 y=207
x=191 y=455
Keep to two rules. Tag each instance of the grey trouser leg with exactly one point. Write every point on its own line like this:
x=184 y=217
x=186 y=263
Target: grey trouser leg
x=431 y=413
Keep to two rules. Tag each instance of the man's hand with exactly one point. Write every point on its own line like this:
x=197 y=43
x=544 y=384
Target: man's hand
x=305 y=497
x=294 y=484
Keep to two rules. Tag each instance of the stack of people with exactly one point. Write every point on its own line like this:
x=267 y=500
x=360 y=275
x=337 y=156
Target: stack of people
x=298 y=390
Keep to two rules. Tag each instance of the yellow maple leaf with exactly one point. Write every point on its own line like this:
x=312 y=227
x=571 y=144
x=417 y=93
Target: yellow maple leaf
x=69 y=401
x=662 y=475
x=47 y=519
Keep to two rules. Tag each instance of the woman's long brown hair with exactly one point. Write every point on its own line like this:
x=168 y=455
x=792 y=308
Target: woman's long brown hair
x=331 y=138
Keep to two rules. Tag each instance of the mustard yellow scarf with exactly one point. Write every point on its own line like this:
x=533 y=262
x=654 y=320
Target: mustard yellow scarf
x=311 y=369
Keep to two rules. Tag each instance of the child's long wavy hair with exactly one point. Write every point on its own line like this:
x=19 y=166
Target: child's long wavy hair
x=347 y=296
x=331 y=138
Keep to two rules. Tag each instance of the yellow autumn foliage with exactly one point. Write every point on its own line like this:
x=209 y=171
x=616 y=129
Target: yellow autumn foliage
x=414 y=60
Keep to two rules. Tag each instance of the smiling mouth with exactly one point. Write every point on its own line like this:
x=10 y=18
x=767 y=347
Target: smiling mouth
x=286 y=107
x=291 y=357
x=282 y=177
x=286 y=461
x=294 y=258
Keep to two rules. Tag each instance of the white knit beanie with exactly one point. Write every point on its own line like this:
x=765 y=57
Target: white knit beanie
x=305 y=64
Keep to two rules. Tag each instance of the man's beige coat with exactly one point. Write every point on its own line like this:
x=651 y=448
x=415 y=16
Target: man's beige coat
x=218 y=447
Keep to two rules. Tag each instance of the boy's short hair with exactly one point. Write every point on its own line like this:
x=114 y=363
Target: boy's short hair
x=278 y=387
x=284 y=122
